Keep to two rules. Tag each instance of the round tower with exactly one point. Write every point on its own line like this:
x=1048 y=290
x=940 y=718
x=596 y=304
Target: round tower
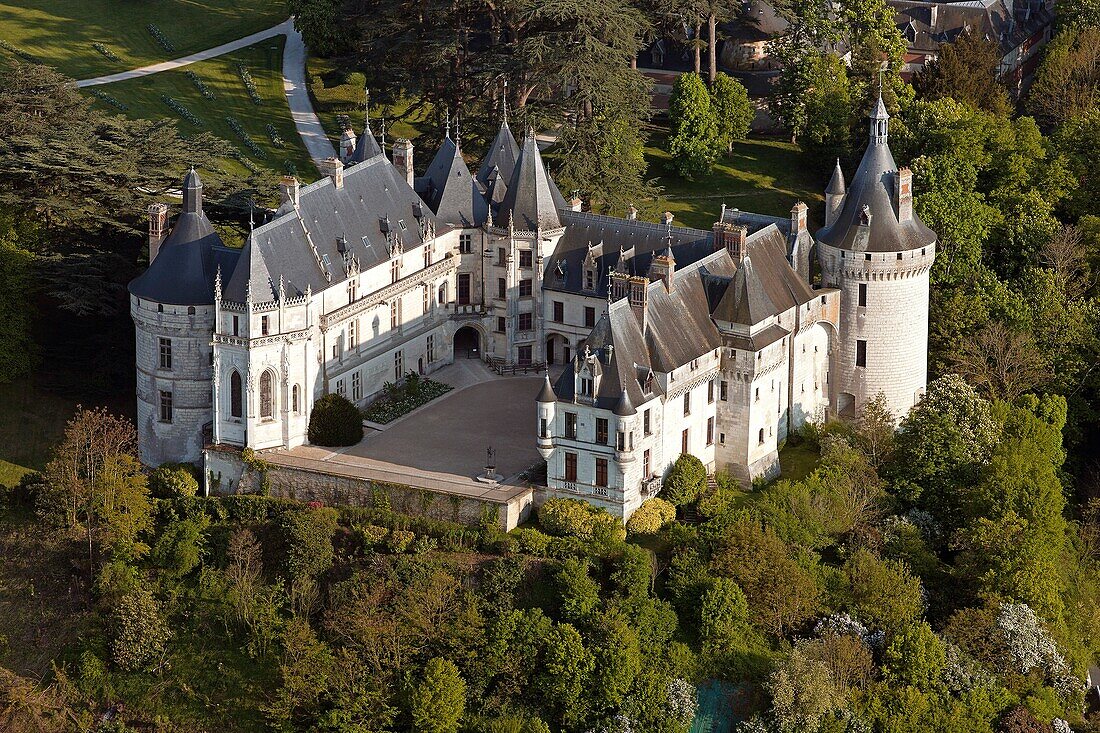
x=546 y=401
x=172 y=304
x=878 y=253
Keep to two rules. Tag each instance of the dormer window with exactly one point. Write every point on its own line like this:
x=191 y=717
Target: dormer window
x=586 y=386
x=589 y=279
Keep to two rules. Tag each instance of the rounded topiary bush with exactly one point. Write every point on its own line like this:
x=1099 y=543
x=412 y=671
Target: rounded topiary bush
x=650 y=517
x=334 y=421
x=576 y=518
x=685 y=481
x=173 y=481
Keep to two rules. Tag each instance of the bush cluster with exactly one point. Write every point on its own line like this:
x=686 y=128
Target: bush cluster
x=576 y=518
x=334 y=421
x=401 y=399
x=650 y=517
x=685 y=481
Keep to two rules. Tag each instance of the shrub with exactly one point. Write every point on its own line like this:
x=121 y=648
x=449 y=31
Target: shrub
x=307 y=542
x=685 y=481
x=399 y=540
x=139 y=631
x=531 y=541
x=335 y=421
x=371 y=534
x=650 y=517
x=576 y=518
x=423 y=545
x=173 y=481
x=255 y=508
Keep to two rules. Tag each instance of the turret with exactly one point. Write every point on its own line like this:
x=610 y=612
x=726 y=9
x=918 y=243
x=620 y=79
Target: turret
x=624 y=438
x=546 y=409
x=834 y=195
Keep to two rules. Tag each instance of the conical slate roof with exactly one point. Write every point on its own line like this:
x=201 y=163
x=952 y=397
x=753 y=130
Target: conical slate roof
x=452 y=192
x=530 y=202
x=366 y=147
x=546 y=394
x=836 y=183
x=184 y=269
x=503 y=153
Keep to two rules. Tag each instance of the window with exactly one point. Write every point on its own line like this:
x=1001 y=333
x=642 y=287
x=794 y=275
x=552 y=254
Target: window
x=464 y=289
x=340 y=387
x=757 y=394
x=559 y=312
x=525 y=288
x=431 y=348
x=442 y=293
x=525 y=258
x=502 y=288
x=899 y=256
x=544 y=428
x=620 y=443
x=570 y=466
x=395 y=313
x=263 y=325
x=861 y=353
x=235 y=395
x=867 y=256
x=353 y=334
x=524 y=356
x=525 y=321
x=267 y=396
x=687 y=403
x=356 y=387
x=862 y=294
x=589 y=279
x=601 y=431
x=395 y=270
x=710 y=431
x=710 y=392
x=165 y=406
x=398 y=364
x=645 y=464
x=336 y=351
x=351 y=290
x=501 y=323
x=684 y=441
x=236 y=325
x=586 y=387
x=465 y=243
x=645 y=423
x=190 y=310
x=589 y=317
x=427 y=304
x=165 y=353
x=571 y=425
x=502 y=257
x=723 y=391
x=760 y=440
x=296 y=399
x=427 y=255
x=601 y=472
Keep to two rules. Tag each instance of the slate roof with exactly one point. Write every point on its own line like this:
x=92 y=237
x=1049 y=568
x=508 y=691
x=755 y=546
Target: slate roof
x=633 y=243
x=499 y=164
x=532 y=200
x=451 y=191
x=375 y=202
x=836 y=183
x=873 y=187
x=184 y=269
x=366 y=147
x=927 y=25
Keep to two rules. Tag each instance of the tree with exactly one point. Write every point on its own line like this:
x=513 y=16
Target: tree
x=812 y=26
x=651 y=516
x=732 y=108
x=725 y=616
x=967 y=70
x=1078 y=140
x=883 y=593
x=17 y=349
x=565 y=672
x=685 y=480
x=94 y=479
x=579 y=594
x=139 y=632
x=335 y=421
x=616 y=658
x=439 y=700
x=915 y=656
x=1001 y=362
x=1068 y=79
x=875 y=430
x=694 y=141
x=803 y=693
x=1078 y=13
x=827 y=103
x=305 y=667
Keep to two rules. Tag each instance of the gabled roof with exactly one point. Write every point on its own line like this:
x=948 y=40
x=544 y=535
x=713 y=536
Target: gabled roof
x=530 y=202
x=451 y=191
x=356 y=220
x=184 y=269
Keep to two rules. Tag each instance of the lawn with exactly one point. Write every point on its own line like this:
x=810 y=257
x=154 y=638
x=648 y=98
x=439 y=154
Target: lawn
x=144 y=99
x=796 y=462
x=32 y=421
x=61 y=32
x=763 y=175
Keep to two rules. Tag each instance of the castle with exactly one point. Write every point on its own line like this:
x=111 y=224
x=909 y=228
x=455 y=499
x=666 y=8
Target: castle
x=716 y=343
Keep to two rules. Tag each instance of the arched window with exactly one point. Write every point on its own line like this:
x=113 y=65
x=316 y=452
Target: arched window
x=267 y=396
x=761 y=438
x=190 y=310
x=295 y=403
x=235 y=395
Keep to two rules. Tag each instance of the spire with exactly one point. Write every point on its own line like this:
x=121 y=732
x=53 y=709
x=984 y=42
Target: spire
x=192 y=193
x=447 y=124
x=366 y=106
x=880 y=122
x=836 y=183
x=504 y=121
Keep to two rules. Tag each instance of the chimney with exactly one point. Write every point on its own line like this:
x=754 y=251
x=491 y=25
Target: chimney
x=732 y=238
x=904 y=194
x=663 y=267
x=334 y=169
x=575 y=203
x=288 y=190
x=158 y=228
x=403 y=159
x=639 y=293
x=347 y=144
x=798 y=218
x=632 y=213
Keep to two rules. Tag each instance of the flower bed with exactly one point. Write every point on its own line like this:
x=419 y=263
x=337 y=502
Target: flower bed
x=273 y=134
x=162 y=39
x=18 y=51
x=203 y=89
x=243 y=159
x=401 y=399
x=238 y=129
x=108 y=99
x=102 y=48
x=249 y=85
x=181 y=110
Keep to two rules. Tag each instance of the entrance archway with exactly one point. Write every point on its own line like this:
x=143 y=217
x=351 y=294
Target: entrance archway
x=467 y=343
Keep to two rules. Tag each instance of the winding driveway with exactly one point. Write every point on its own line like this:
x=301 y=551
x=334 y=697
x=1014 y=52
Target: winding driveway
x=294 y=81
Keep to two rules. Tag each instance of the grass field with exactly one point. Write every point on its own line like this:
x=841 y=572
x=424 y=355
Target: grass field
x=144 y=97
x=764 y=176
x=61 y=32
x=31 y=423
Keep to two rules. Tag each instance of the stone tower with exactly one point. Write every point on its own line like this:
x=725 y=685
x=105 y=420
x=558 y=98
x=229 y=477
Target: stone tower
x=172 y=304
x=878 y=253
